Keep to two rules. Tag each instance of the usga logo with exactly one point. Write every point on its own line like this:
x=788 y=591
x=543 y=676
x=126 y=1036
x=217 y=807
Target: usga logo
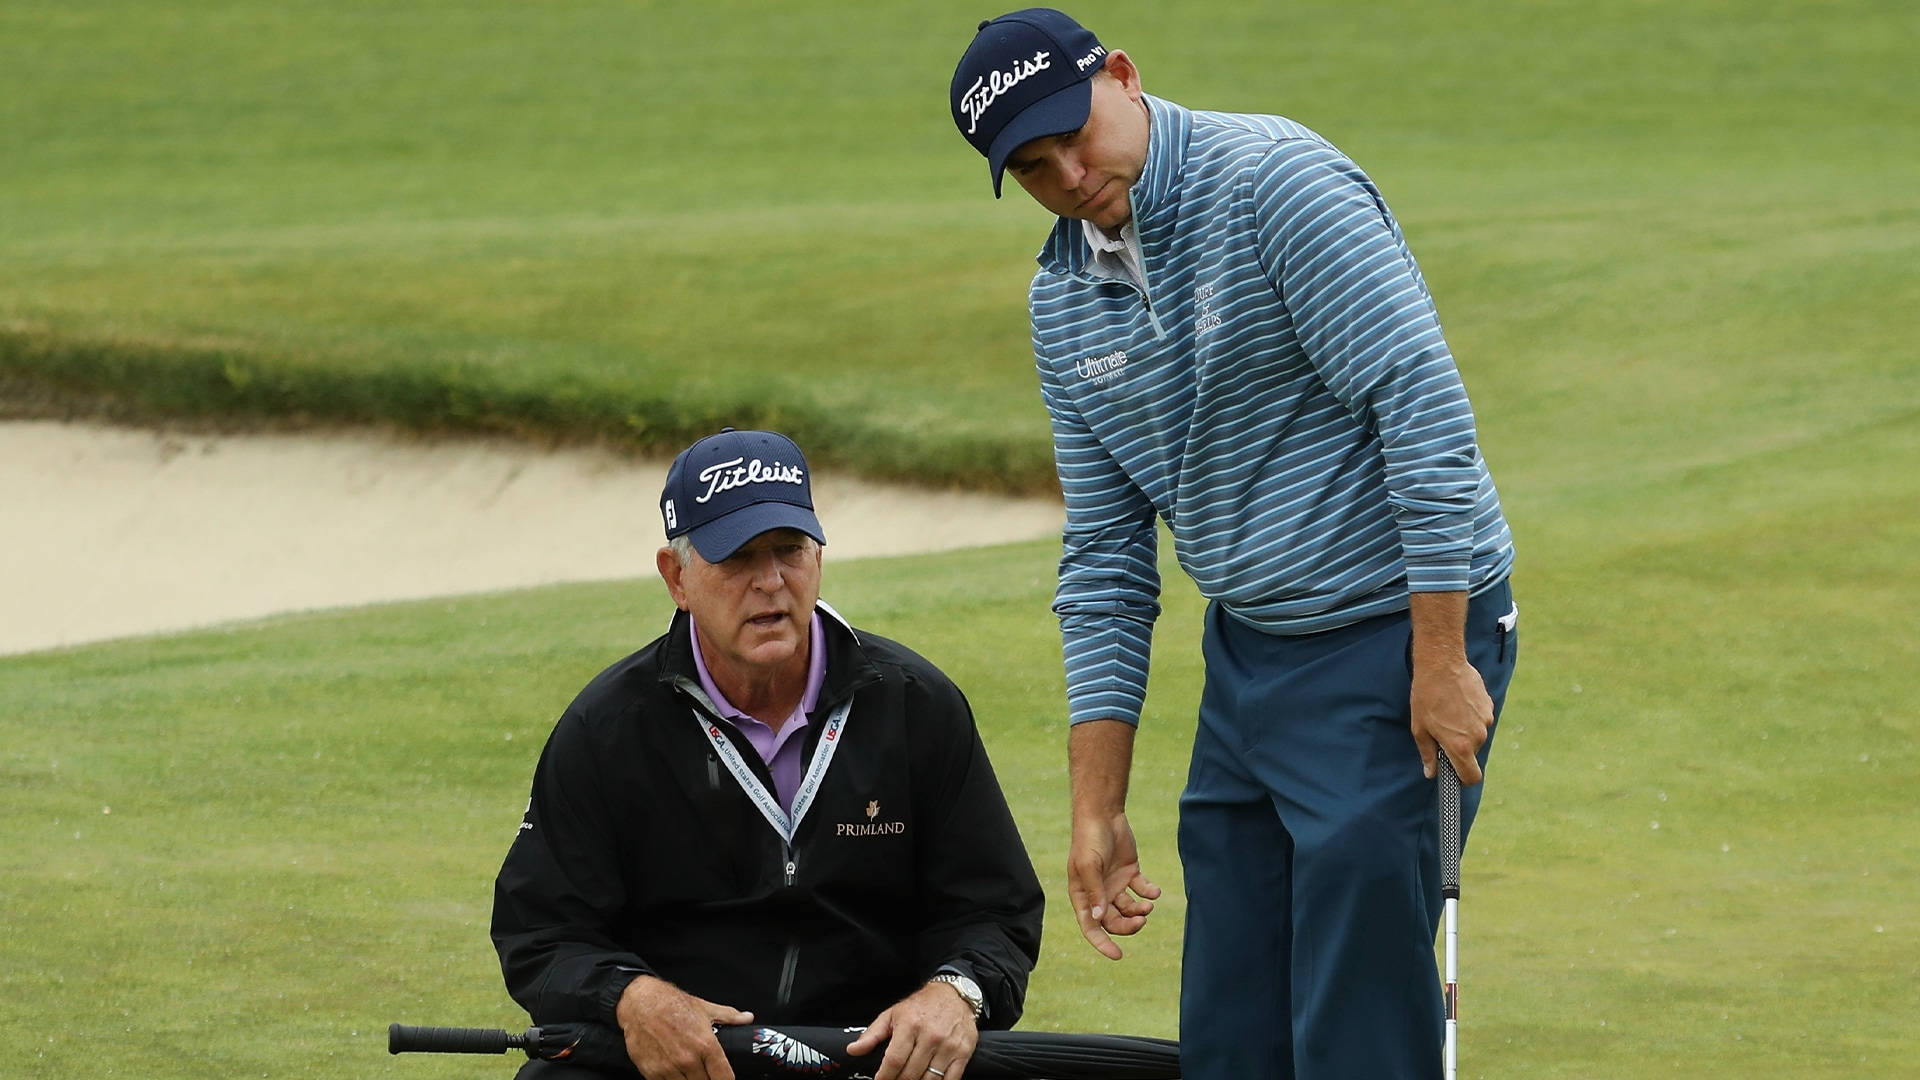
x=870 y=827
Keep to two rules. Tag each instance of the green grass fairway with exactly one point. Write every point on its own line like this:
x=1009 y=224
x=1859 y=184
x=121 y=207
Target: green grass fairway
x=632 y=221
x=1676 y=248
x=249 y=850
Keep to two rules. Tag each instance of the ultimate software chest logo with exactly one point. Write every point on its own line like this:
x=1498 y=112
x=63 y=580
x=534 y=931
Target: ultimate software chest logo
x=1102 y=369
x=870 y=827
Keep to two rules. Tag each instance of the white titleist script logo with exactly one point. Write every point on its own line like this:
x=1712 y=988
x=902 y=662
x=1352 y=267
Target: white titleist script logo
x=987 y=88
x=1102 y=368
x=739 y=473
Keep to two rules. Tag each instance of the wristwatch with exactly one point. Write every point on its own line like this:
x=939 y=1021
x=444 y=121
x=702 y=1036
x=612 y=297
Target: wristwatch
x=968 y=990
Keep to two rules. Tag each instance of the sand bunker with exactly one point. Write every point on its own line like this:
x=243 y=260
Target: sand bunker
x=107 y=532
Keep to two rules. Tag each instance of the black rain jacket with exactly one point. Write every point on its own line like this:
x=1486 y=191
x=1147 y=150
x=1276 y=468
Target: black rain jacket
x=640 y=852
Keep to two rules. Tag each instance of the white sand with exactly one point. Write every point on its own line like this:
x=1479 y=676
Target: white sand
x=106 y=532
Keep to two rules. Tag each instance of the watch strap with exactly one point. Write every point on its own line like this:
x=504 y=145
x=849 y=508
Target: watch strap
x=968 y=990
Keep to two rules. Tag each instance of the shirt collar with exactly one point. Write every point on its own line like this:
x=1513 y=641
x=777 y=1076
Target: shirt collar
x=816 y=673
x=1115 y=256
x=1101 y=243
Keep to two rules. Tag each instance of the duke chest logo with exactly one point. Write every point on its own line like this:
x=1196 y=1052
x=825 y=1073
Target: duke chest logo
x=1205 y=318
x=871 y=826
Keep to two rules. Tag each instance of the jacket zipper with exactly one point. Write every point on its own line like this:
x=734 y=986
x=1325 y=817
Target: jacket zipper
x=787 y=968
x=792 y=962
x=790 y=869
x=1159 y=332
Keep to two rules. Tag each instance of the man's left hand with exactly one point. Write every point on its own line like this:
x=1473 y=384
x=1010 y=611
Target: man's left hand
x=929 y=1035
x=1452 y=713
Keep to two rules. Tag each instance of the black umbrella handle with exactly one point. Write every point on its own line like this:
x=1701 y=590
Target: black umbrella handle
x=549 y=1043
x=406 y=1039
x=763 y=1052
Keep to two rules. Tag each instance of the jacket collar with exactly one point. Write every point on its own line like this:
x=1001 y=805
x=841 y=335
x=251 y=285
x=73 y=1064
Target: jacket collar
x=848 y=666
x=1155 y=197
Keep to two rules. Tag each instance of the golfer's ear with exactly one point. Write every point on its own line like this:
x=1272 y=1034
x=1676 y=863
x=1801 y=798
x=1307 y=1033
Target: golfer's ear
x=1119 y=65
x=670 y=569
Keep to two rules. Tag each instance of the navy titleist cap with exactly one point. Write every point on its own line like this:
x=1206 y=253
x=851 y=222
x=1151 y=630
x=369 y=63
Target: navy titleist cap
x=728 y=488
x=1024 y=77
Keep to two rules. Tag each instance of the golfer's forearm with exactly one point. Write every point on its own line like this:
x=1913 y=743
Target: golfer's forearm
x=1439 y=629
x=1099 y=758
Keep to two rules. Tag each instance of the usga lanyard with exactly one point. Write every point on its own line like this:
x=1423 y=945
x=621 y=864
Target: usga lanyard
x=763 y=799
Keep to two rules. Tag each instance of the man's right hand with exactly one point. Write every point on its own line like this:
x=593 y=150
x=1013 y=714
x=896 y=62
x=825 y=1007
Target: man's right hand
x=669 y=1032
x=1109 y=892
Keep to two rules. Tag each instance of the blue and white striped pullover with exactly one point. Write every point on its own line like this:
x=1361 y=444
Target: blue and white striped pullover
x=1281 y=395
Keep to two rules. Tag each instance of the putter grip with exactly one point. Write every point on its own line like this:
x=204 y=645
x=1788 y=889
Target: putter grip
x=1449 y=828
x=404 y=1039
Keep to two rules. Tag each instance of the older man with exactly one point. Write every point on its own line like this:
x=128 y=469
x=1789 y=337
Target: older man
x=1231 y=336
x=765 y=815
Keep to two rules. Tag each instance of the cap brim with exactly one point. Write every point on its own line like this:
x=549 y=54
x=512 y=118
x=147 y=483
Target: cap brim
x=1062 y=111
x=721 y=537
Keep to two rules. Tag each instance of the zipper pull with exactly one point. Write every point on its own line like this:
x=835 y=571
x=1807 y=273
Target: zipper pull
x=791 y=868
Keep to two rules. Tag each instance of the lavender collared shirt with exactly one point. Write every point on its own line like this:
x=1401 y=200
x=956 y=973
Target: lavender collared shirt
x=779 y=749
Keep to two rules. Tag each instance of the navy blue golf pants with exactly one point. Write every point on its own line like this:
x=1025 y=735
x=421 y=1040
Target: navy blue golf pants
x=1310 y=841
